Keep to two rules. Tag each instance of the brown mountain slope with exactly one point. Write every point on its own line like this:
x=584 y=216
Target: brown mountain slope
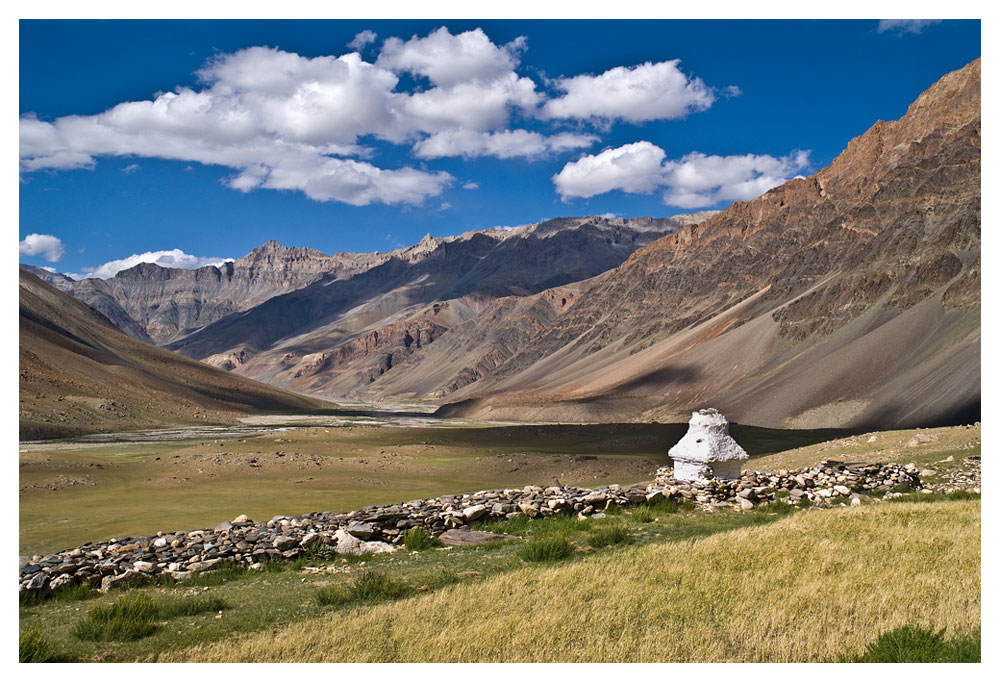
x=79 y=374
x=335 y=336
x=849 y=298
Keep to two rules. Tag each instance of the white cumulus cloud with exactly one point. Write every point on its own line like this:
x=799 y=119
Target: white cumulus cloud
x=503 y=144
x=905 y=25
x=174 y=258
x=361 y=39
x=45 y=245
x=693 y=181
x=634 y=168
x=448 y=60
x=646 y=92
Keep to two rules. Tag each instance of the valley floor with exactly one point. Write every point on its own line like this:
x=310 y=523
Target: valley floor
x=655 y=583
x=138 y=484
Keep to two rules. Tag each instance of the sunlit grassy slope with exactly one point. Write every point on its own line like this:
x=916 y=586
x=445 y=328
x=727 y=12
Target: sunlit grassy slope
x=815 y=586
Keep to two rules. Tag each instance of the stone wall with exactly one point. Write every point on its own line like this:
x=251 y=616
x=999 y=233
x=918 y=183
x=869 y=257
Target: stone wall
x=130 y=561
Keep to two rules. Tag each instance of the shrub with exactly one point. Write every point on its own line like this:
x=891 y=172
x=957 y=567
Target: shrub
x=418 y=539
x=543 y=549
x=606 y=537
x=33 y=647
x=914 y=644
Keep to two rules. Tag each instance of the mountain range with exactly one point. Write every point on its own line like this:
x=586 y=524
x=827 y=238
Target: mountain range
x=847 y=298
x=80 y=374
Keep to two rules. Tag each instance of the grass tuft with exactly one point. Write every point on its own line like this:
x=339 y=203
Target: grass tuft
x=544 y=549
x=606 y=537
x=643 y=514
x=34 y=647
x=131 y=617
x=914 y=644
x=418 y=539
x=134 y=616
x=369 y=587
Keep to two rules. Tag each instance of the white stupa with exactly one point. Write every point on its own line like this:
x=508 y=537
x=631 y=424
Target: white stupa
x=707 y=450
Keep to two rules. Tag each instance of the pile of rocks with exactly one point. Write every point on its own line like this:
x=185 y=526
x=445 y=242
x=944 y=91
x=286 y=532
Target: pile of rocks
x=824 y=484
x=132 y=561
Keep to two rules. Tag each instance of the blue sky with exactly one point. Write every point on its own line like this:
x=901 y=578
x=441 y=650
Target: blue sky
x=203 y=139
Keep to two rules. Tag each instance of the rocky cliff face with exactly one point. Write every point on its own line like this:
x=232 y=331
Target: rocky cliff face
x=847 y=298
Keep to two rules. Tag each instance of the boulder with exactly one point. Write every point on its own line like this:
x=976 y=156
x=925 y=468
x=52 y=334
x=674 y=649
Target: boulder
x=464 y=538
x=362 y=531
x=127 y=579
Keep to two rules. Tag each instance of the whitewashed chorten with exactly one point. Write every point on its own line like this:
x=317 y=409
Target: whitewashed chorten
x=707 y=450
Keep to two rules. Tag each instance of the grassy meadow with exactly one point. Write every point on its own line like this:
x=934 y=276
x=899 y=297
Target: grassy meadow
x=646 y=584
x=138 y=488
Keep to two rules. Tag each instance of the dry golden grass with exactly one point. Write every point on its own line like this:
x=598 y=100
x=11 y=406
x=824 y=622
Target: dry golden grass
x=815 y=586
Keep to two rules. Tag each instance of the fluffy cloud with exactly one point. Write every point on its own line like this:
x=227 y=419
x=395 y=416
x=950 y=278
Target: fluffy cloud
x=471 y=185
x=362 y=39
x=45 y=245
x=175 y=258
x=448 y=60
x=699 y=180
x=282 y=121
x=504 y=145
x=646 y=92
x=905 y=25
x=279 y=119
x=694 y=181
x=634 y=168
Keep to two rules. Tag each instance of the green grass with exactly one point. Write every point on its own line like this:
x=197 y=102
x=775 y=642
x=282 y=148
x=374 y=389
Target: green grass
x=643 y=514
x=935 y=497
x=34 y=647
x=418 y=539
x=368 y=587
x=135 y=615
x=545 y=549
x=914 y=644
x=131 y=617
x=606 y=537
